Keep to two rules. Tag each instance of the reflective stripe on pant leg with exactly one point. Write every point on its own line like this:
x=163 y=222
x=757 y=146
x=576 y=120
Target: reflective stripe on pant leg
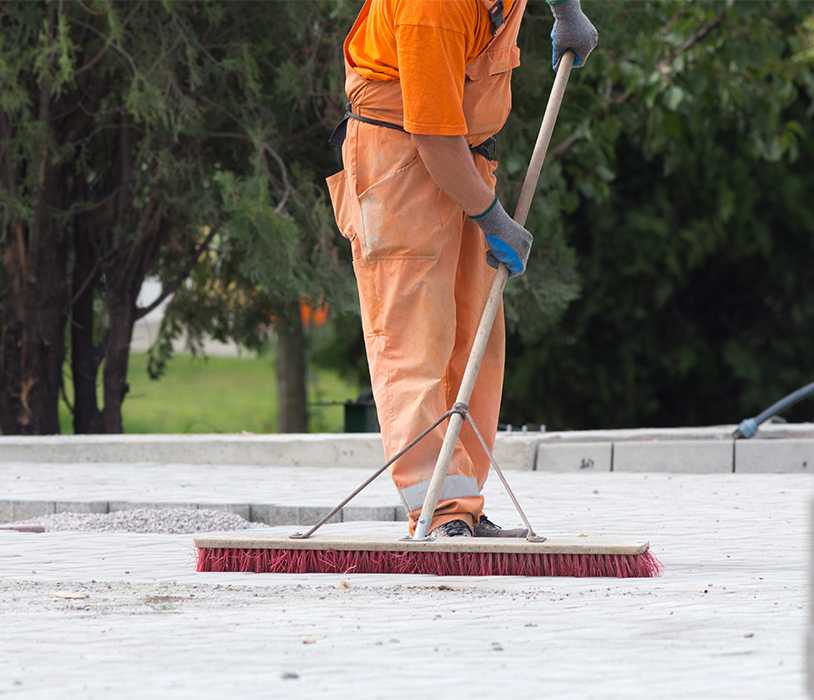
x=455 y=486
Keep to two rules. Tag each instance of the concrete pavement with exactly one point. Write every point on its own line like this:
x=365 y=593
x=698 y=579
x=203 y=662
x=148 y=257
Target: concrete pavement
x=123 y=615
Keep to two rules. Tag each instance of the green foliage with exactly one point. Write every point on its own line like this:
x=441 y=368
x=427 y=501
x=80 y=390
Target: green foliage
x=670 y=278
x=688 y=212
x=278 y=244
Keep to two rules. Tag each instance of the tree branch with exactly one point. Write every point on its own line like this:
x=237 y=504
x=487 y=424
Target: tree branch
x=664 y=66
x=168 y=291
x=565 y=145
x=283 y=172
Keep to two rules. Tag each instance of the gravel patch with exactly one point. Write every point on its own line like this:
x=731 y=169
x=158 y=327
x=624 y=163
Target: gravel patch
x=169 y=521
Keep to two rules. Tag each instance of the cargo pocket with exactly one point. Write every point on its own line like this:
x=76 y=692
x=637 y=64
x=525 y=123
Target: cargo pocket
x=400 y=215
x=344 y=205
x=400 y=206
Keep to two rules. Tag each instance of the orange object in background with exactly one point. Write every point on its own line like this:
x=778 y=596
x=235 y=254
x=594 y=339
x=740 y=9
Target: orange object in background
x=313 y=316
x=422 y=275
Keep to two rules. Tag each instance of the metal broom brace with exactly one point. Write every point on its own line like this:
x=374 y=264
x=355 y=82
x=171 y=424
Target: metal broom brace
x=460 y=410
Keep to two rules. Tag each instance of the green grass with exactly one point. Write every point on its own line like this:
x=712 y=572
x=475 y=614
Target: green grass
x=218 y=395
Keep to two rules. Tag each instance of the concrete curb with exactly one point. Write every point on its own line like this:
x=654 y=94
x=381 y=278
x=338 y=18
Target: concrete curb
x=777 y=448
x=268 y=513
x=359 y=450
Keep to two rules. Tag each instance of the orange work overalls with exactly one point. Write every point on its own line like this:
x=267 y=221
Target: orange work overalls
x=422 y=275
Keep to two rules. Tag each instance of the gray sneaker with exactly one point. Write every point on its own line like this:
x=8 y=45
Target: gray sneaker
x=454 y=528
x=486 y=528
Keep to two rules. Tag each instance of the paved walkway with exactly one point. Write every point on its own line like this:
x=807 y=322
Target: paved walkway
x=118 y=615
x=190 y=483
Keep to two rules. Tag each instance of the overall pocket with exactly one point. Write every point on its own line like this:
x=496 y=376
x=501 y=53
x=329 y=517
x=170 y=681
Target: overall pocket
x=345 y=207
x=400 y=206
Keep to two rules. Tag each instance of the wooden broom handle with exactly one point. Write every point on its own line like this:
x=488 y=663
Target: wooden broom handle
x=521 y=211
x=493 y=300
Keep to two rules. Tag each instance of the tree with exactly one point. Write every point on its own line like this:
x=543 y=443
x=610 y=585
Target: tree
x=243 y=291
x=136 y=137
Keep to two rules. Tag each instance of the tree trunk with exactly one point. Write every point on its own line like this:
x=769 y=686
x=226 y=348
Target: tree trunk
x=33 y=304
x=117 y=358
x=32 y=328
x=291 y=373
x=85 y=356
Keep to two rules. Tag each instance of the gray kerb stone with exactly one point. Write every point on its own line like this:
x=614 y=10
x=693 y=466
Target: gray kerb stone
x=573 y=457
x=12 y=511
x=82 y=507
x=684 y=456
x=769 y=455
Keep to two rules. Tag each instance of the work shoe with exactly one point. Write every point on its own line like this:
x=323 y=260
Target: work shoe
x=454 y=528
x=486 y=528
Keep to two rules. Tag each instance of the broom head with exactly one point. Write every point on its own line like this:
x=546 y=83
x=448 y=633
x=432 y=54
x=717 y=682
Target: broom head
x=260 y=552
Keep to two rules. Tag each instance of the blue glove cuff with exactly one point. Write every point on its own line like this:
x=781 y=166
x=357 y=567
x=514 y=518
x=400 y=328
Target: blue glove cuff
x=506 y=254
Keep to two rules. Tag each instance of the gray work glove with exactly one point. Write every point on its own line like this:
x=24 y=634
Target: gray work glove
x=572 y=30
x=509 y=243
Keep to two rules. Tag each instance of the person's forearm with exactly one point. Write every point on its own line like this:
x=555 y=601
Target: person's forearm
x=451 y=165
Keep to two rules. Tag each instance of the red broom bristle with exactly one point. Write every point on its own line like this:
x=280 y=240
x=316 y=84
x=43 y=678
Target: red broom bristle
x=314 y=561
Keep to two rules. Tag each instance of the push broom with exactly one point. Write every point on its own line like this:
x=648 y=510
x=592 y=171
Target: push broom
x=529 y=555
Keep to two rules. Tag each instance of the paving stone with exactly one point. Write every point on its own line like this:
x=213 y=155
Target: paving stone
x=774 y=456
x=241 y=509
x=162 y=505
x=271 y=514
x=680 y=456
x=516 y=451
x=309 y=515
x=573 y=457
x=23 y=510
x=82 y=507
x=352 y=513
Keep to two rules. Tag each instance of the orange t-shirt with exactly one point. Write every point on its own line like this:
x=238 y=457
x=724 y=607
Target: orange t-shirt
x=425 y=44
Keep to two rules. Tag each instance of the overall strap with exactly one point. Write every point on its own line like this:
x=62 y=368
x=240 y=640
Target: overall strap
x=487 y=149
x=496 y=14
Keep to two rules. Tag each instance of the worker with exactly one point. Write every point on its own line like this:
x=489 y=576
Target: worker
x=429 y=86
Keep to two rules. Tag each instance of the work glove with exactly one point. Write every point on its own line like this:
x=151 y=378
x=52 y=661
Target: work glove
x=573 y=31
x=509 y=243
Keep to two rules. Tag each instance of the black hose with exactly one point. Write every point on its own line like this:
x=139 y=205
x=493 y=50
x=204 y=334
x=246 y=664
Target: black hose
x=749 y=426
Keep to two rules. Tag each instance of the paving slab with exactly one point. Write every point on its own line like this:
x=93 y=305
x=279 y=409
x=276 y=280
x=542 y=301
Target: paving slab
x=574 y=457
x=100 y=615
x=190 y=484
x=753 y=456
x=81 y=507
x=678 y=456
x=23 y=509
